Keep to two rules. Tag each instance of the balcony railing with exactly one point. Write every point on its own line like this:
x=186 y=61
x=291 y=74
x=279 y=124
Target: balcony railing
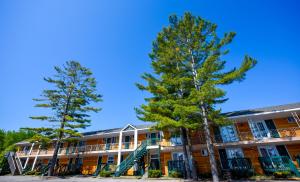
x=248 y=136
x=278 y=163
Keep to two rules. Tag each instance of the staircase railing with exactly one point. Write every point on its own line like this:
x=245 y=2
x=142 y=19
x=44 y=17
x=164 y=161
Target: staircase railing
x=278 y=163
x=19 y=164
x=131 y=158
x=11 y=162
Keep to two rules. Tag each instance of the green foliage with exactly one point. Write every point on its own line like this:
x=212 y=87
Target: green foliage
x=175 y=174
x=282 y=174
x=238 y=174
x=34 y=173
x=70 y=98
x=7 y=143
x=105 y=173
x=73 y=90
x=189 y=70
x=154 y=173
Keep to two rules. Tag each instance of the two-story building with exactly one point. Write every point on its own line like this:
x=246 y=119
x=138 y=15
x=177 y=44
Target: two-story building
x=262 y=140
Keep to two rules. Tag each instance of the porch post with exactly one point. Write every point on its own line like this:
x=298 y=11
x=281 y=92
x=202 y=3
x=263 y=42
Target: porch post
x=35 y=159
x=135 y=138
x=120 y=148
x=28 y=156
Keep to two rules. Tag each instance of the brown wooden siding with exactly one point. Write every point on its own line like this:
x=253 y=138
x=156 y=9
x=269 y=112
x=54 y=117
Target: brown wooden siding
x=253 y=154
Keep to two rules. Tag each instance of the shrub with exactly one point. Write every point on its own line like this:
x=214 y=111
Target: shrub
x=237 y=174
x=281 y=174
x=105 y=173
x=175 y=174
x=154 y=173
x=34 y=172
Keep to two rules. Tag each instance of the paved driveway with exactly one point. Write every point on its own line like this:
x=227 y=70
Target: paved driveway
x=74 y=179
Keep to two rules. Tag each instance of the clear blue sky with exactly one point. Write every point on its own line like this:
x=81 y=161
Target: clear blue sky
x=113 y=38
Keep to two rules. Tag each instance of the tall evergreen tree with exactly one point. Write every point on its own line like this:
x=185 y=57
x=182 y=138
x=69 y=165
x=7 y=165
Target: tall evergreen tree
x=70 y=99
x=190 y=49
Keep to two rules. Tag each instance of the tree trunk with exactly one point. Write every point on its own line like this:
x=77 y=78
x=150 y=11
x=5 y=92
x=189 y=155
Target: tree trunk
x=185 y=153
x=54 y=159
x=210 y=147
x=192 y=161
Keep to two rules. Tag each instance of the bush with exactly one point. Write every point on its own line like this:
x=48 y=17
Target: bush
x=238 y=174
x=105 y=174
x=281 y=174
x=34 y=172
x=175 y=174
x=154 y=173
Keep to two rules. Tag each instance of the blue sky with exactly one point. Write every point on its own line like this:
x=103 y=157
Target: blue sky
x=113 y=38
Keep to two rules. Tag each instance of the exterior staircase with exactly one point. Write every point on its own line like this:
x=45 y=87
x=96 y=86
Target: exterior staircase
x=137 y=154
x=14 y=162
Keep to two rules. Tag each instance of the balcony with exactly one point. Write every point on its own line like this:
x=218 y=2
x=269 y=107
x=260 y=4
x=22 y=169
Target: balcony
x=275 y=135
x=278 y=163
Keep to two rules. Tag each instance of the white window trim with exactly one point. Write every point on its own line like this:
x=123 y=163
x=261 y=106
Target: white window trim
x=110 y=156
x=234 y=148
x=265 y=126
x=204 y=152
x=177 y=155
x=234 y=130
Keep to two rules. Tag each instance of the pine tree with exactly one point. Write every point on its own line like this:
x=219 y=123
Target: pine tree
x=70 y=98
x=187 y=59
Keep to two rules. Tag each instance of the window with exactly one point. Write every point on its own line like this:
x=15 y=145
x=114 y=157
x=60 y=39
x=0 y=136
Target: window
x=175 y=140
x=268 y=151
x=154 y=156
x=204 y=152
x=234 y=153
x=110 y=159
x=177 y=156
x=291 y=119
x=228 y=134
x=259 y=129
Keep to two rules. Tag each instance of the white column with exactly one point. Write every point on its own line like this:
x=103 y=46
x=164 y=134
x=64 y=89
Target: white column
x=135 y=138
x=28 y=156
x=35 y=159
x=120 y=147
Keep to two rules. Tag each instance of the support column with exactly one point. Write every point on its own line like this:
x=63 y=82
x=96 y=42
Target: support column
x=120 y=148
x=28 y=155
x=135 y=138
x=35 y=159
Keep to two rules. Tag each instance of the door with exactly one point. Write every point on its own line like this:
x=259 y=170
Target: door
x=223 y=157
x=108 y=143
x=271 y=157
x=268 y=151
x=272 y=128
x=127 y=142
x=282 y=151
x=234 y=156
x=153 y=138
x=259 y=129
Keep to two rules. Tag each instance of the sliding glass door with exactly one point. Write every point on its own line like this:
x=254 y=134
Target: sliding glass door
x=259 y=129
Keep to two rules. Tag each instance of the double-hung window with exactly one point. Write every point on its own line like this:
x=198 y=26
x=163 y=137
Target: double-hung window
x=175 y=140
x=259 y=129
x=110 y=159
x=229 y=134
x=177 y=156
